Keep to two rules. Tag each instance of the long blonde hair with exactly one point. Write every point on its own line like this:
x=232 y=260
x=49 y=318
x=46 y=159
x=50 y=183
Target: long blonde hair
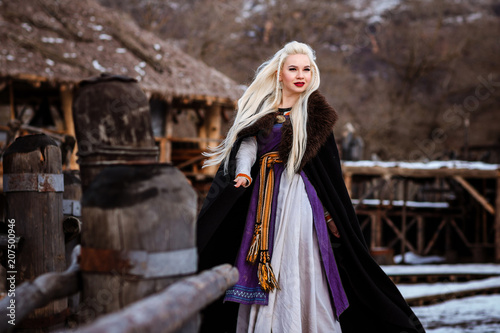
x=262 y=97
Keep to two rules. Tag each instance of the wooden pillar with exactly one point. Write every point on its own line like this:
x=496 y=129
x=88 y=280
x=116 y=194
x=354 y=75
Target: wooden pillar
x=66 y=92
x=403 y=220
x=376 y=228
x=348 y=183
x=138 y=236
x=420 y=235
x=213 y=123
x=33 y=183
x=169 y=131
x=72 y=222
x=497 y=222
x=11 y=100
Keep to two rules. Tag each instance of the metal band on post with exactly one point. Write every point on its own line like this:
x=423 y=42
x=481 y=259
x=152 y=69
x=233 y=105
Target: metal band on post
x=33 y=182
x=139 y=263
x=72 y=207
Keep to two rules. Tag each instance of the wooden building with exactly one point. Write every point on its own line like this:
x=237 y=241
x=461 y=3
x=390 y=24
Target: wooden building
x=449 y=208
x=49 y=46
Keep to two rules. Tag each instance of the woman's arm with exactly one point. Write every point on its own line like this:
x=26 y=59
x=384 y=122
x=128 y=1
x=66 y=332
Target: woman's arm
x=245 y=159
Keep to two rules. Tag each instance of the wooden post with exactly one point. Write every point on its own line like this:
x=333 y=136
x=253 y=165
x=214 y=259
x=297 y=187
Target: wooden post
x=403 y=220
x=138 y=236
x=33 y=183
x=213 y=123
x=497 y=222
x=420 y=235
x=112 y=125
x=169 y=132
x=348 y=182
x=66 y=92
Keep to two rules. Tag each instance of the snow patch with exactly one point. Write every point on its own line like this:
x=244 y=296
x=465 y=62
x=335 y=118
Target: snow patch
x=466 y=315
x=414 y=259
x=26 y=27
x=95 y=27
x=69 y=55
x=50 y=62
x=438 y=288
x=98 y=66
x=52 y=40
x=493 y=269
x=157 y=47
x=425 y=165
x=105 y=37
x=139 y=70
x=10 y=57
x=121 y=50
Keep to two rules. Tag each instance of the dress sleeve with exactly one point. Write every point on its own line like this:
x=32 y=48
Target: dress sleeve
x=246 y=156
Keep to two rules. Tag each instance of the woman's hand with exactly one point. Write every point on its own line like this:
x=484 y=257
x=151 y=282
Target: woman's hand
x=241 y=181
x=333 y=229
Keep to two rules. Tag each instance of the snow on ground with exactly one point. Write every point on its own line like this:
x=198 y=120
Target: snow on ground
x=455 y=164
x=438 y=288
x=442 y=269
x=478 y=314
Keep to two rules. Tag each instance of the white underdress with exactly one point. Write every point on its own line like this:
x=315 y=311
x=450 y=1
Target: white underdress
x=304 y=303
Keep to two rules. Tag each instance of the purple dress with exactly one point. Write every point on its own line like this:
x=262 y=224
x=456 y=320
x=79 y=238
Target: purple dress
x=311 y=297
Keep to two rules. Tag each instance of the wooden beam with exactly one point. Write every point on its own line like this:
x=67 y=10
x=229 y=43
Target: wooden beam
x=475 y=194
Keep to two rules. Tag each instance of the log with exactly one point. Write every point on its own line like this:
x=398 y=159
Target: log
x=38 y=293
x=138 y=236
x=33 y=183
x=112 y=125
x=170 y=309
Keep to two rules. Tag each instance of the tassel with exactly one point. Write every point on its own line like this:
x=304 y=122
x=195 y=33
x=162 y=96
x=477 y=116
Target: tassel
x=267 y=280
x=254 y=248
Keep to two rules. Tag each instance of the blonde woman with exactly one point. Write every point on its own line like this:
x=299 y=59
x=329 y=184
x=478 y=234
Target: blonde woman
x=279 y=211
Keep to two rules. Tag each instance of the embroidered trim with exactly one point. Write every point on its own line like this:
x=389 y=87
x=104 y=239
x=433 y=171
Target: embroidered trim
x=245 y=295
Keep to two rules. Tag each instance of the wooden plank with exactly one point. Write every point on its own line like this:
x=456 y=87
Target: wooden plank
x=475 y=194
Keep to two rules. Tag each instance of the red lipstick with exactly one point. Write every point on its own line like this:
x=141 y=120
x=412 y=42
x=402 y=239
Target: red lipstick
x=299 y=84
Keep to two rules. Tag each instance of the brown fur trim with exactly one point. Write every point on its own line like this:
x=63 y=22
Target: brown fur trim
x=321 y=119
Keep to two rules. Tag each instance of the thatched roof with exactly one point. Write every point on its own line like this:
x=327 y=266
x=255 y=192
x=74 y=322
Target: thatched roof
x=66 y=41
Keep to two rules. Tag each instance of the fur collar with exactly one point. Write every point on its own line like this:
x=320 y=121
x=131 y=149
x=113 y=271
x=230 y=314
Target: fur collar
x=321 y=119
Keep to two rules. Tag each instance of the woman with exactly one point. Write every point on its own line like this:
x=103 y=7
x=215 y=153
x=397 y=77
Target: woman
x=278 y=193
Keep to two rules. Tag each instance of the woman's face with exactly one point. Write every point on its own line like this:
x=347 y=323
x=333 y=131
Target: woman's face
x=296 y=74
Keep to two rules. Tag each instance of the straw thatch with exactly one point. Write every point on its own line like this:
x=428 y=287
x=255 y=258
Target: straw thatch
x=66 y=41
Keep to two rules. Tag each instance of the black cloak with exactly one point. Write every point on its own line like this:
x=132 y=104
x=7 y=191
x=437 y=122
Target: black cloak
x=375 y=303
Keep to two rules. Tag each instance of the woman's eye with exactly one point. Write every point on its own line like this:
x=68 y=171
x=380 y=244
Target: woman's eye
x=307 y=69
